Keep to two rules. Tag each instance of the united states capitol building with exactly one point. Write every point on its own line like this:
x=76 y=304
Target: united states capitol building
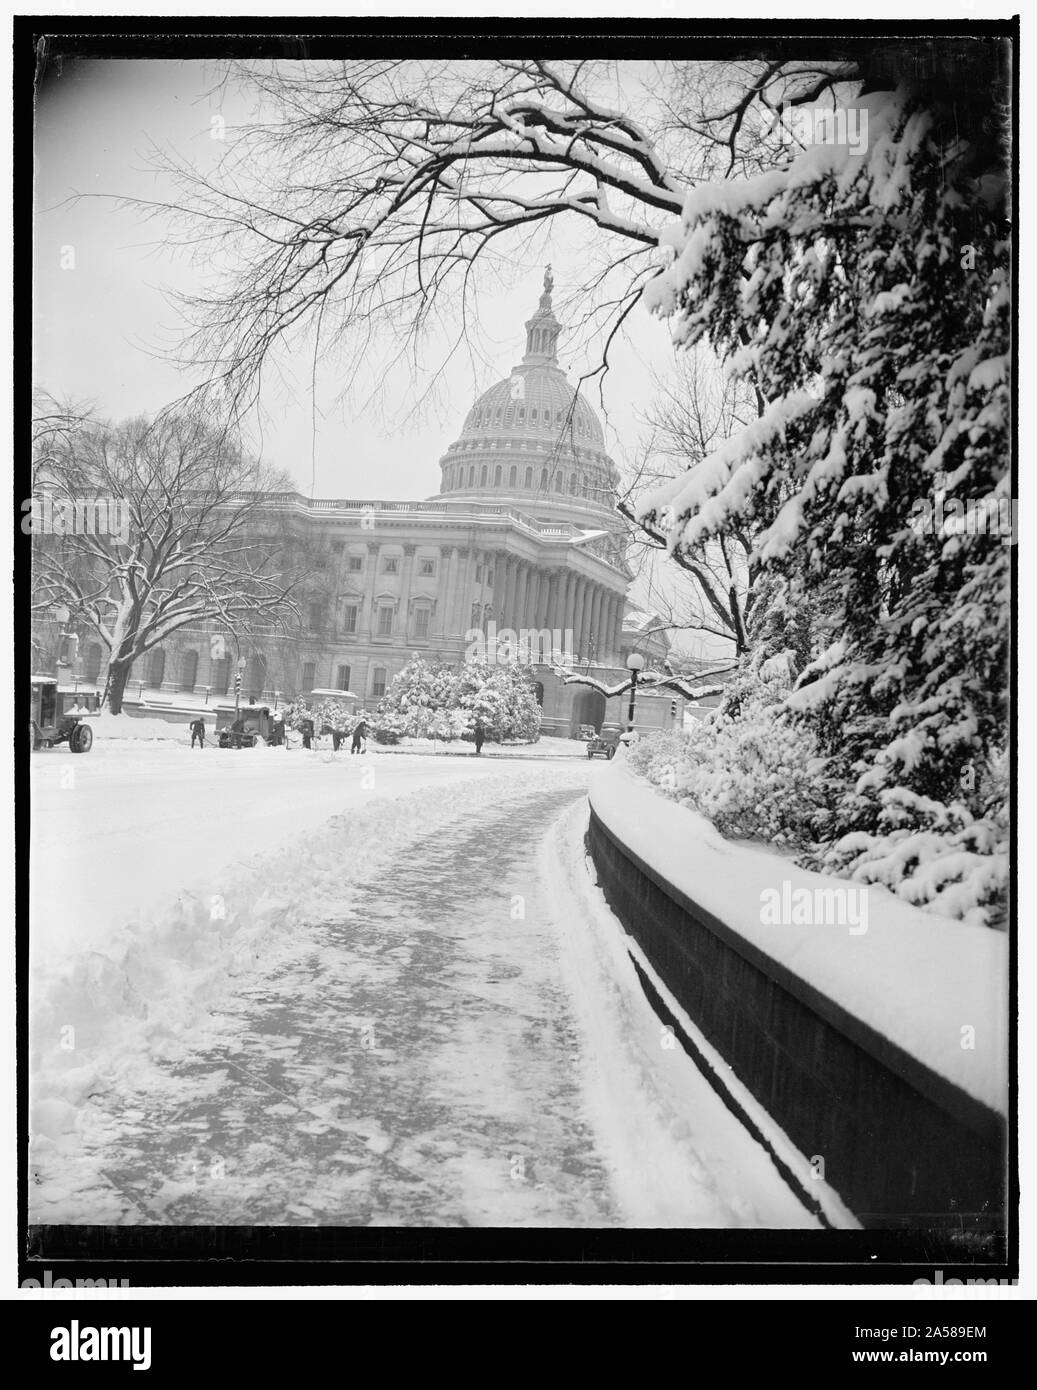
x=522 y=538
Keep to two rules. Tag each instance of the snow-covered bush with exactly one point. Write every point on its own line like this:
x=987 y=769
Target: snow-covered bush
x=756 y=772
x=332 y=716
x=385 y=726
x=753 y=773
x=502 y=696
x=296 y=714
x=431 y=700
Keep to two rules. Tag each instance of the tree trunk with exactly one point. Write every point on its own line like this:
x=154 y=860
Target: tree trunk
x=118 y=674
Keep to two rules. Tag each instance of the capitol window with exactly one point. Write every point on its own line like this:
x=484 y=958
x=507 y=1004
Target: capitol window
x=421 y=622
x=497 y=476
x=391 y=565
x=482 y=476
x=529 y=479
x=385 y=613
x=427 y=567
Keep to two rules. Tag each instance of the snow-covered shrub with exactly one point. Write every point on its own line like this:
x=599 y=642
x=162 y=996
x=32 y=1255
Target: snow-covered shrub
x=756 y=772
x=296 y=714
x=385 y=726
x=502 y=696
x=427 y=700
x=332 y=716
x=753 y=774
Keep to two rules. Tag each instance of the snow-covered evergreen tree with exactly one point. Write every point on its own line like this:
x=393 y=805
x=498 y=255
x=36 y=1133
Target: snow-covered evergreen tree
x=417 y=697
x=431 y=700
x=502 y=696
x=867 y=297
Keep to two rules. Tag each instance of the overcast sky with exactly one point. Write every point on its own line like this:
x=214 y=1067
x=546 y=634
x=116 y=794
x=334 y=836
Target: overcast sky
x=100 y=325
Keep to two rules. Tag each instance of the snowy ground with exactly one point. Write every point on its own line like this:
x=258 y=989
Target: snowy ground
x=296 y=988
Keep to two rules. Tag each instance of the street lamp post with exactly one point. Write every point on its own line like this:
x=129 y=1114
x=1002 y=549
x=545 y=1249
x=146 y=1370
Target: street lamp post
x=635 y=663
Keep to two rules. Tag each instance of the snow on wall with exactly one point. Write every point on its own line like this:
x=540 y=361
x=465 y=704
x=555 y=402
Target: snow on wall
x=915 y=979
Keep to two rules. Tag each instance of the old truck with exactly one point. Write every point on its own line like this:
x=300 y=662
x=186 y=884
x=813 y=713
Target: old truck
x=603 y=745
x=250 y=727
x=58 y=716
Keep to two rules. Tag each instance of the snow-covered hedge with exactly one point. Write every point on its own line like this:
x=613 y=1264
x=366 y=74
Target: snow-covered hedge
x=755 y=775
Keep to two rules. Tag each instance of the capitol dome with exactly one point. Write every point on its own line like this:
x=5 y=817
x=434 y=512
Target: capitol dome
x=531 y=440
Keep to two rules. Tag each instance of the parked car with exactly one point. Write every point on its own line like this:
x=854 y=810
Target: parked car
x=603 y=745
x=57 y=716
x=586 y=731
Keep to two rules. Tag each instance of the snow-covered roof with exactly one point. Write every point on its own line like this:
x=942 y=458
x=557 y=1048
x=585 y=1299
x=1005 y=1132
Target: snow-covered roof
x=638 y=619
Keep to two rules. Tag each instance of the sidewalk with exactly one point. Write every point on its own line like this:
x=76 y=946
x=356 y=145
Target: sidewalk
x=405 y=1056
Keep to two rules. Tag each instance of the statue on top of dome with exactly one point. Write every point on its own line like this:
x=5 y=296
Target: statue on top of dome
x=549 y=284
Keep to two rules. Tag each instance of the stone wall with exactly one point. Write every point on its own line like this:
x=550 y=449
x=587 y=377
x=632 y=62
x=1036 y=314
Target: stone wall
x=899 y=1144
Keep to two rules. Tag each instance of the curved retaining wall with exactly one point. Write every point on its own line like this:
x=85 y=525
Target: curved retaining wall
x=901 y=1144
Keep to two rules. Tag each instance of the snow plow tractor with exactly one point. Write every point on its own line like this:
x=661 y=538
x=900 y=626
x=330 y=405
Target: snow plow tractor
x=57 y=717
x=253 y=727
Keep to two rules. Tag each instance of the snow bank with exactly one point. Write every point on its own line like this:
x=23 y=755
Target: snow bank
x=677 y=1154
x=917 y=980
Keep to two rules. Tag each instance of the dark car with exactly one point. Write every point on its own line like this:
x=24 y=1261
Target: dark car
x=255 y=726
x=603 y=745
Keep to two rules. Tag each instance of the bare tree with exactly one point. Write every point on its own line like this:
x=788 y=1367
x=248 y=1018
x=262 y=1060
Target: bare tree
x=145 y=528
x=696 y=409
x=368 y=193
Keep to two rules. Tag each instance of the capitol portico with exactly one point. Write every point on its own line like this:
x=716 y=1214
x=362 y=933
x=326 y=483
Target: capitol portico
x=523 y=534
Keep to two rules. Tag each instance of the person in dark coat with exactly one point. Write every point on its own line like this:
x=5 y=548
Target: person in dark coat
x=359 y=735
x=480 y=736
x=198 y=732
x=307 y=733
